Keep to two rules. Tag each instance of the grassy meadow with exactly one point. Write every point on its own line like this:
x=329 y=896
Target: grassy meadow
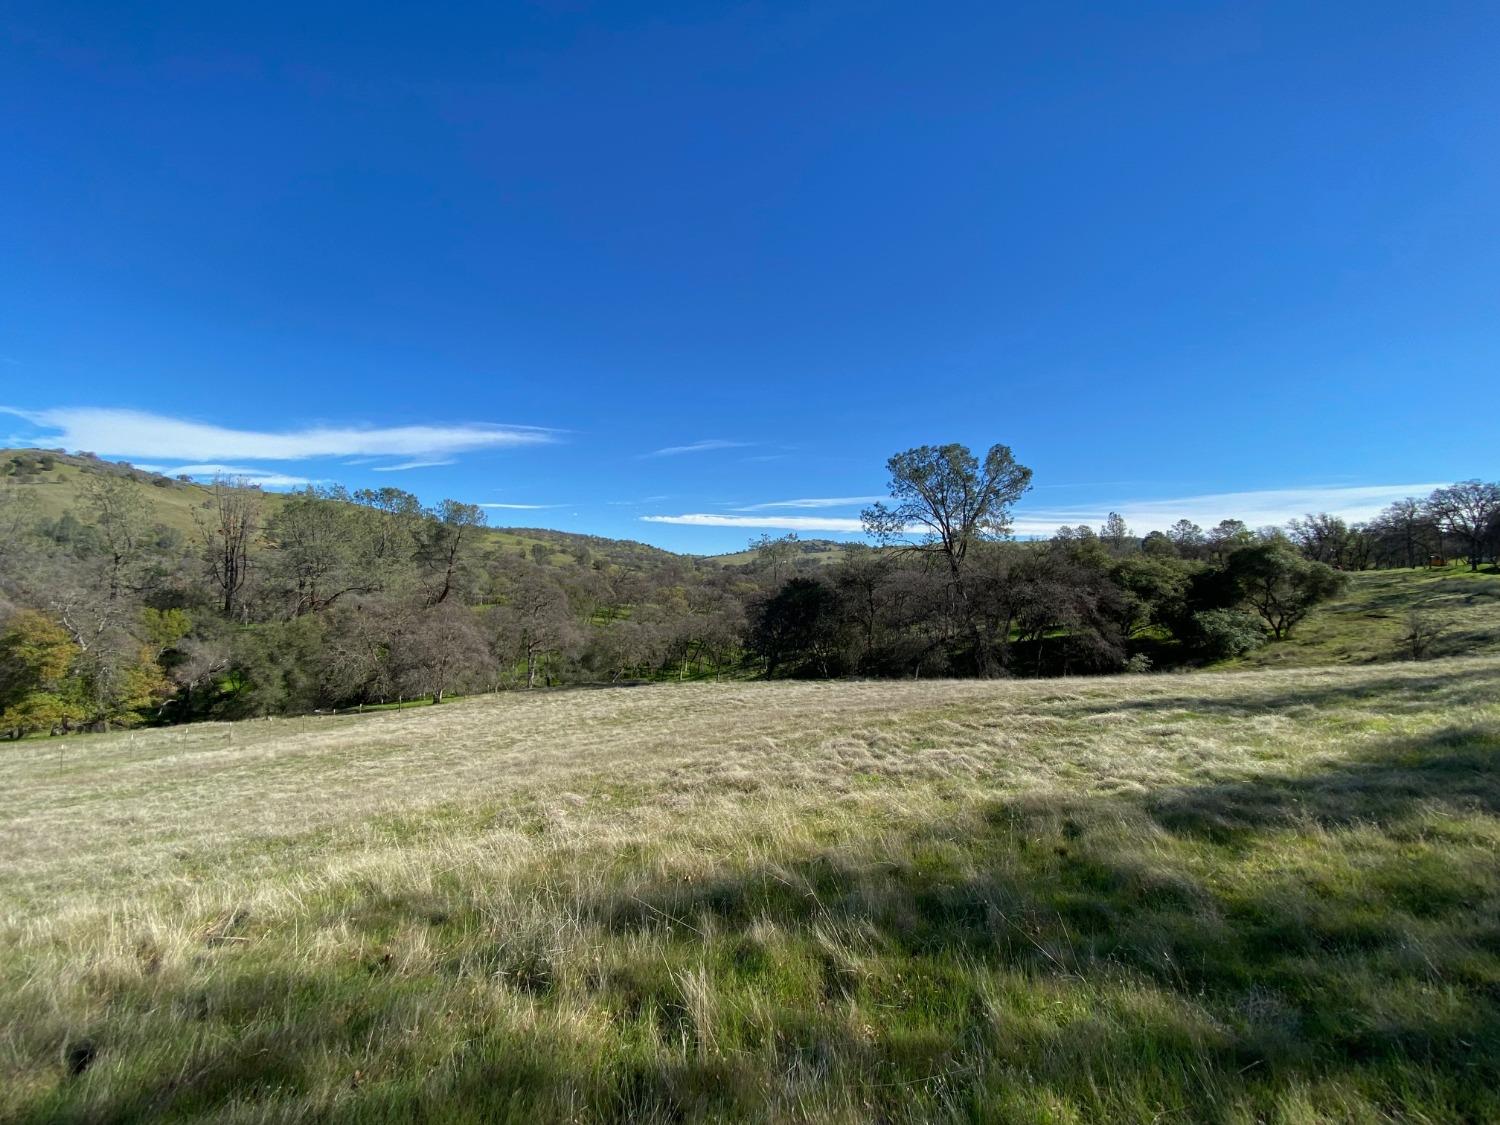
x=1365 y=623
x=1252 y=896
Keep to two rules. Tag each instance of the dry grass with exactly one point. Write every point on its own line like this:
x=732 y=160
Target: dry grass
x=1240 y=896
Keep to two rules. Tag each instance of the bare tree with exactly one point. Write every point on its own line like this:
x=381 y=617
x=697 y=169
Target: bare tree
x=450 y=529
x=534 y=622
x=1466 y=511
x=773 y=555
x=119 y=513
x=1321 y=537
x=228 y=530
x=18 y=515
x=1405 y=531
x=443 y=651
x=1114 y=532
x=945 y=501
x=321 y=549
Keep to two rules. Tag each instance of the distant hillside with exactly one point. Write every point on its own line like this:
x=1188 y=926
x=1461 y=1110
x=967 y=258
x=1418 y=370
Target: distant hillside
x=56 y=479
x=811 y=550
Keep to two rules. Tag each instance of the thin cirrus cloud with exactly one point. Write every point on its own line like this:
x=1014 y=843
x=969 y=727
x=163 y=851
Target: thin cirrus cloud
x=705 y=446
x=1261 y=508
x=264 y=478
x=812 y=502
x=405 y=465
x=129 y=433
x=1255 y=508
x=788 y=523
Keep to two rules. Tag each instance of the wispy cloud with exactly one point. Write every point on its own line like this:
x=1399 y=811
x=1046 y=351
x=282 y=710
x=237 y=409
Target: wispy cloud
x=637 y=503
x=1256 y=508
x=705 y=446
x=265 y=478
x=129 y=433
x=524 y=507
x=401 y=468
x=788 y=523
x=812 y=502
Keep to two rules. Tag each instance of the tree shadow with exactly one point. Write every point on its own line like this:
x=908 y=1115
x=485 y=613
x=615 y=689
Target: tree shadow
x=1307 y=979
x=1474 y=686
x=1455 y=767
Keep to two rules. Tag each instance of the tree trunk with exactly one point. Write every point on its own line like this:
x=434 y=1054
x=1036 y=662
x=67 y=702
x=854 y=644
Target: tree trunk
x=981 y=644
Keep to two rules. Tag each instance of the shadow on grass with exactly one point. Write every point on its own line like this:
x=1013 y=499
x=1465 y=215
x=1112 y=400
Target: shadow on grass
x=1458 y=687
x=1364 y=944
x=1200 y=951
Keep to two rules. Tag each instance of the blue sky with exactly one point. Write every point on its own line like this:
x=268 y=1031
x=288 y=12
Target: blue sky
x=713 y=263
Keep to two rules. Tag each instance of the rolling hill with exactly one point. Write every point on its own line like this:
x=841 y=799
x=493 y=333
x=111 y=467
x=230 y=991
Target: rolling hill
x=56 y=479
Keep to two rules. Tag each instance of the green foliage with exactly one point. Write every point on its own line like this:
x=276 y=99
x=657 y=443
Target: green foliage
x=37 y=658
x=1154 y=586
x=796 y=632
x=276 y=669
x=35 y=651
x=1369 y=621
x=119 y=687
x=1225 y=633
x=164 y=628
x=27 y=464
x=40 y=711
x=1281 y=586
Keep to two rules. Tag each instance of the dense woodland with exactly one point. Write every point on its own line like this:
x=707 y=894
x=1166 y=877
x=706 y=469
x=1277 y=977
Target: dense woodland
x=329 y=599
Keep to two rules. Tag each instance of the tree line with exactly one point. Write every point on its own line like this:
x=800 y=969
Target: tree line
x=947 y=591
x=328 y=599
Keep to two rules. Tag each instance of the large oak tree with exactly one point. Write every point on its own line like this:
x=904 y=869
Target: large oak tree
x=944 y=501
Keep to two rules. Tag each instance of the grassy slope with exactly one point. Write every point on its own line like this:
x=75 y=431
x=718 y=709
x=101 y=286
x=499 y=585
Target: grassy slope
x=823 y=551
x=1364 y=625
x=1265 y=895
x=173 y=503
x=61 y=490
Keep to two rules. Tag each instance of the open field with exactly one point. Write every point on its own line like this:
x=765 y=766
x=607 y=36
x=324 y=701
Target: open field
x=1247 y=896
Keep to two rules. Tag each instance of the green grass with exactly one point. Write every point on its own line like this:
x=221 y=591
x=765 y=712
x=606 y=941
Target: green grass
x=1258 y=896
x=1365 y=624
x=821 y=551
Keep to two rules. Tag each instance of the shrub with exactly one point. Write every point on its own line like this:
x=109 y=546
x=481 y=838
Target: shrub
x=1422 y=631
x=1223 y=633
